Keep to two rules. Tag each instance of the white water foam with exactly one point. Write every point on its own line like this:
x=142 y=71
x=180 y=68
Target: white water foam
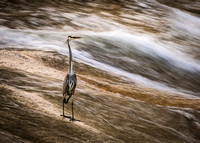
x=153 y=47
x=186 y=23
x=45 y=40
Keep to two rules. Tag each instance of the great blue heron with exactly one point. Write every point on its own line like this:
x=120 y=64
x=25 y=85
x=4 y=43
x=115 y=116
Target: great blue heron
x=70 y=80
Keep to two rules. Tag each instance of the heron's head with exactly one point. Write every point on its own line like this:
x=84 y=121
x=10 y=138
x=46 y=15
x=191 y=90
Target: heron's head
x=69 y=38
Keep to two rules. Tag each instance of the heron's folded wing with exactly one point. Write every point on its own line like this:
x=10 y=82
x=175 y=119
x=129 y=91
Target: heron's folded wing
x=65 y=85
x=73 y=90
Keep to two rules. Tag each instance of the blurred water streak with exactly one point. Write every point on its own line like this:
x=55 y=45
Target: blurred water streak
x=150 y=42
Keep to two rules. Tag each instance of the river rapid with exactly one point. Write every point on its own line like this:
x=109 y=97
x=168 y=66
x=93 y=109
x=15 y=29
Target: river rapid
x=153 y=43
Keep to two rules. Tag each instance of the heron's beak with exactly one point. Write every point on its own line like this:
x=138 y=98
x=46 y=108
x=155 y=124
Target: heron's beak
x=76 y=37
x=69 y=39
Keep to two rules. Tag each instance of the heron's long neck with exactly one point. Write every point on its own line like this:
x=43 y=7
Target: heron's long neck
x=71 y=72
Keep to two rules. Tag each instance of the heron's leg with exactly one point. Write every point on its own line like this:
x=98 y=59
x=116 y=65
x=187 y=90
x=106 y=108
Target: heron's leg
x=63 y=106
x=72 y=109
x=72 y=119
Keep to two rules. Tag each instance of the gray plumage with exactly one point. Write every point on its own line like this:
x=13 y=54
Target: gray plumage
x=70 y=81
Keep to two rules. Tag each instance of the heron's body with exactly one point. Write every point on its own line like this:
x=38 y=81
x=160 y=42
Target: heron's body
x=70 y=80
x=69 y=85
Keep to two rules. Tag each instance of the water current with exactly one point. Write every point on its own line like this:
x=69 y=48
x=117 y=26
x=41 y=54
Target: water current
x=148 y=42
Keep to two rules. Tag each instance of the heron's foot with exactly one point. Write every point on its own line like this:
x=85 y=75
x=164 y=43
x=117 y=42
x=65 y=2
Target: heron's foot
x=65 y=116
x=73 y=120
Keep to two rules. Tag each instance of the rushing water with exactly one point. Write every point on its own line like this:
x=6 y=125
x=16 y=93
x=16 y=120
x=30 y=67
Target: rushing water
x=151 y=42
